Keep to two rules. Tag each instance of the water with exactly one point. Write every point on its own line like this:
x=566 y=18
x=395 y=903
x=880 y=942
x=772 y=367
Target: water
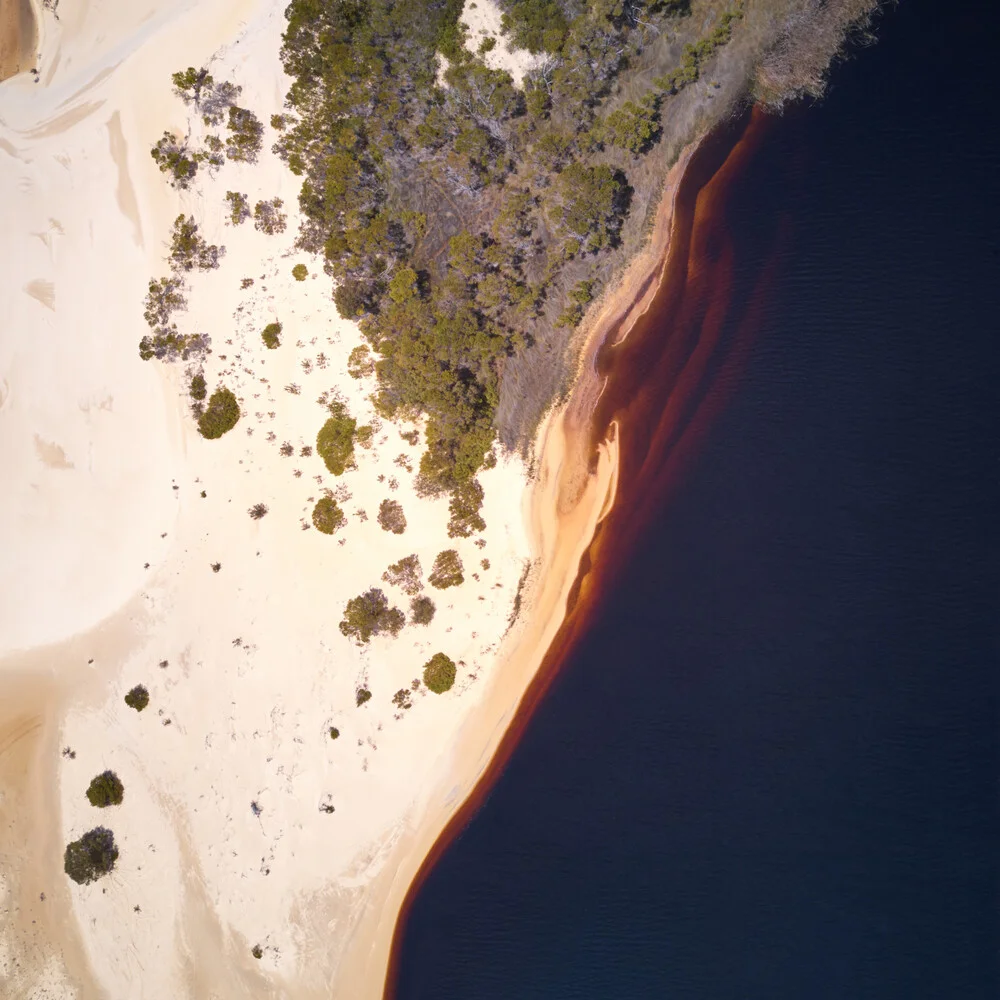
x=769 y=768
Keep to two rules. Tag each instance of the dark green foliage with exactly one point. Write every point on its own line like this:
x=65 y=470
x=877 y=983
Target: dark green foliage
x=90 y=857
x=189 y=84
x=422 y=610
x=188 y=250
x=300 y=272
x=268 y=217
x=403 y=698
x=327 y=516
x=360 y=363
x=361 y=696
x=257 y=951
x=271 y=335
x=592 y=204
x=536 y=25
x=369 y=614
x=698 y=53
x=405 y=574
x=173 y=157
x=106 y=790
x=221 y=414
x=246 y=131
x=198 y=388
x=164 y=297
x=632 y=126
x=446 y=571
x=239 y=208
x=137 y=698
x=335 y=441
x=463 y=508
x=391 y=517
x=439 y=673
x=334 y=732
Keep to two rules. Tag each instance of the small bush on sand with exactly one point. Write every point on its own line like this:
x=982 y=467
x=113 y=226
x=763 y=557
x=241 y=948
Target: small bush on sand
x=364 y=436
x=421 y=610
x=327 y=515
x=246 y=131
x=90 y=857
x=257 y=511
x=361 y=696
x=463 y=508
x=446 y=571
x=239 y=208
x=335 y=441
x=439 y=673
x=360 y=363
x=106 y=790
x=300 y=272
x=221 y=414
x=257 y=951
x=188 y=250
x=334 y=732
x=369 y=614
x=268 y=217
x=137 y=698
x=391 y=517
x=405 y=574
x=198 y=388
x=271 y=335
x=175 y=159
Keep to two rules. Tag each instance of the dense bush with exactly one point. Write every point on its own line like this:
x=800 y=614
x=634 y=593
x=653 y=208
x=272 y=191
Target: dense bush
x=239 y=208
x=90 y=857
x=391 y=517
x=335 y=441
x=198 y=388
x=446 y=571
x=300 y=272
x=188 y=250
x=334 y=733
x=422 y=610
x=369 y=614
x=106 y=790
x=439 y=673
x=268 y=217
x=463 y=509
x=175 y=159
x=360 y=363
x=327 y=516
x=221 y=414
x=271 y=335
x=244 y=141
x=137 y=698
x=361 y=696
x=405 y=574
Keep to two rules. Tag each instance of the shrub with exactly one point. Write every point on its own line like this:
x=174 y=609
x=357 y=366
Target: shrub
x=361 y=696
x=257 y=511
x=188 y=250
x=364 y=436
x=198 y=389
x=391 y=517
x=300 y=272
x=173 y=157
x=257 y=951
x=137 y=698
x=421 y=610
x=405 y=574
x=463 y=508
x=90 y=857
x=446 y=571
x=334 y=732
x=268 y=217
x=221 y=414
x=246 y=131
x=369 y=614
x=327 y=516
x=335 y=441
x=106 y=790
x=239 y=209
x=164 y=298
x=439 y=673
x=360 y=363
x=403 y=698
x=271 y=335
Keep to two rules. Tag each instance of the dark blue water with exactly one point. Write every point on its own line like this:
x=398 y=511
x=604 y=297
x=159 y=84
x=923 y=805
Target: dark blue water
x=771 y=768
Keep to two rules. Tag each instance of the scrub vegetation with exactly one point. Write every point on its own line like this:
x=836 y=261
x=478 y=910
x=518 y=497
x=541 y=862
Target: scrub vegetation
x=92 y=856
x=221 y=415
x=370 y=614
x=439 y=673
x=106 y=790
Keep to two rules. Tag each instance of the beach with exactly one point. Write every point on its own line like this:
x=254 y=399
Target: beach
x=259 y=855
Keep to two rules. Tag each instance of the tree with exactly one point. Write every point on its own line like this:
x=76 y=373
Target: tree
x=439 y=673
x=198 y=388
x=422 y=610
x=90 y=857
x=335 y=441
x=189 y=84
x=405 y=574
x=137 y=698
x=220 y=416
x=239 y=208
x=634 y=127
x=188 y=250
x=173 y=157
x=593 y=203
x=391 y=517
x=463 y=507
x=360 y=363
x=300 y=272
x=106 y=790
x=327 y=516
x=268 y=217
x=246 y=132
x=369 y=614
x=446 y=571
x=271 y=335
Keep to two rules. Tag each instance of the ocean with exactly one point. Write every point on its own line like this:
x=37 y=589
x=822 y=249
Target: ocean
x=767 y=766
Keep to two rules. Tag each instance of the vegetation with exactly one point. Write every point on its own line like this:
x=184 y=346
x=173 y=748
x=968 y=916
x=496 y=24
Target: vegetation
x=198 y=388
x=271 y=335
x=90 y=857
x=188 y=250
x=137 y=698
x=360 y=363
x=268 y=217
x=334 y=732
x=245 y=135
x=221 y=415
x=439 y=673
x=163 y=299
x=239 y=208
x=369 y=614
x=300 y=272
x=391 y=517
x=463 y=508
x=257 y=951
x=446 y=571
x=257 y=511
x=106 y=790
x=361 y=696
x=335 y=441
x=175 y=159
x=422 y=610
x=405 y=574
x=327 y=516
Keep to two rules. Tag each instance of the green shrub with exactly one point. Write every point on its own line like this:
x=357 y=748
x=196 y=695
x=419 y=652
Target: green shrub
x=198 y=388
x=421 y=610
x=360 y=363
x=137 y=698
x=439 y=673
x=463 y=508
x=391 y=517
x=188 y=250
x=369 y=614
x=239 y=208
x=257 y=951
x=173 y=157
x=300 y=272
x=446 y=571
x=221 y=414
x=268 y=217
x=327 y=515
x=335 y=441
x=90 y=857
x=271 y=335
x=361 y=696
x=244 y=142
x=106 y=790
x=334 y=732
x=405 y=574
x=364 y=436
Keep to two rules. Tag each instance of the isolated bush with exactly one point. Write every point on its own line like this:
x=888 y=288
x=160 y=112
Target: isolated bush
x=446 y=571
x=405 y=574
x=175 y=159
x=369 y=614
x=137 y=698
x=106 y=790
x=439 y=673
x=334 y=732
x=257 y=511
x=391 y=517
x=221 y=414
x=257 y=951
x=300 y=272
x=90 y=857
x=327 y=515
x=271 y=335
x=421 y=610
x=335 y=441
x=163 y=298
x=361 y=696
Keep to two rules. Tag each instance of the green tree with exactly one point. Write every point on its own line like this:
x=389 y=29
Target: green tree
x=463 y=507
x=422 y=610
x=300 y=272
x=439 y=673
x=90 y=857
x=106 y=790
x=188 y=250
x=446 y=571
x=391 y=517
x=405 y=574
x=335 y=441
x=137 y=698
x=271 y=335
x=221 y=415
x=327 y=516
x=369 y=614
x=246 y=132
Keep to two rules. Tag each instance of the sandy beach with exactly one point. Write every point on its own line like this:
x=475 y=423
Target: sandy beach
x=245 y=828
x=18 y=37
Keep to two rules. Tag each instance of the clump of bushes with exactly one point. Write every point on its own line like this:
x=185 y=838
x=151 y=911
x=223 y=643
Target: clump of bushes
x=391 y=517
x=90 y=857
x=421 y=610
x=246 y=131
x=175 y=159
x=188 y=250
x=405 y=574
x=300 y=272
x=198 y=388
x=271 y=335
x=137 y=698
x=463 y=509
x=239 y=208
x=439 y=673
x=446 y=571
x=327 y=515
x=361 y=696
x=369 y=614
x=221 y=414
x=360 y=363
x=268 y=217
x=335 y=441
x=106 y=790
